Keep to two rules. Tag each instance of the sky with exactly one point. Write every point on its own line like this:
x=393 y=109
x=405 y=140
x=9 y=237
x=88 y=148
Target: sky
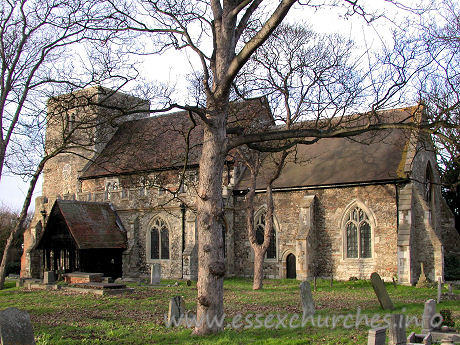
x=172 y=67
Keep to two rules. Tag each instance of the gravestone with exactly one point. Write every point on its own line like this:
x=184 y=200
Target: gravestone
x=397 y=330
x=15 y=327
x=425 y=339
x=308 y=305
x=450 y=290
x=155 y=274
x=428 y=312
x=49 y=277
x=438 y=299
x=381 y=292
x=377 y=336
x=176 y=309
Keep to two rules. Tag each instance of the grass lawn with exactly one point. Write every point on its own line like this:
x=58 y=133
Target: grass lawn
x=62 y=317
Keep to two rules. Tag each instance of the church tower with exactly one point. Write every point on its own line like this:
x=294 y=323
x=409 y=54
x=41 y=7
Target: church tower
x=83 y=122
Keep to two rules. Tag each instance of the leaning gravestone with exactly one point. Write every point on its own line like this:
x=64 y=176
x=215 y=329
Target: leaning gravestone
x=155 y=274
x=15 y=327
x=397 y=333
x=377 y=336
x=176 y=309
x=428 y=313
x=308 y=305
x=381 y=292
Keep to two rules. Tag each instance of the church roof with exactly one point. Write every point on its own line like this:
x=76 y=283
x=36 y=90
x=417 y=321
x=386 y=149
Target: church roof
x=160 y=142
x=373 y=157
x=92 y=225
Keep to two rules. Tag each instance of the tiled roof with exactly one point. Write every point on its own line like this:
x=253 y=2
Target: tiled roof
x=159 y=142
x=366 y=158
x=92 y=225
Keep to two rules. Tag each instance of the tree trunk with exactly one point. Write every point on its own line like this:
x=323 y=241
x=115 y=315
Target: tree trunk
x=259 y=257
x=6 y=251
x=211 y=265
x=22 y=217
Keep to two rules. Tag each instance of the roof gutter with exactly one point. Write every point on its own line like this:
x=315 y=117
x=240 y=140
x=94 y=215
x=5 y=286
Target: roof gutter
x=327 y=186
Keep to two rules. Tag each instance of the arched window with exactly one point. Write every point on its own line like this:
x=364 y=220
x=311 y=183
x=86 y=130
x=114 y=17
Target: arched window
x=260 y=228
x=358 y=234
x=159 y=240
x=428 y=184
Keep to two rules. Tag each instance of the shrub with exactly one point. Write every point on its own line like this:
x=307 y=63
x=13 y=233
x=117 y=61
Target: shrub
x=447 y=318
x=452 y=267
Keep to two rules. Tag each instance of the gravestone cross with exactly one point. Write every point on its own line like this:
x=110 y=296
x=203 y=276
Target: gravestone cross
x=308 y=305
x=381 y=292
x=15 y=327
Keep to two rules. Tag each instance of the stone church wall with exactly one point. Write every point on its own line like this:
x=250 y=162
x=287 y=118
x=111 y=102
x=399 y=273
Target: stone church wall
x=328 y=256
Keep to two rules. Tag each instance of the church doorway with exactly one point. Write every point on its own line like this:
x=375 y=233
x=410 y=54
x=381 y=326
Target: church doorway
x=290 y=266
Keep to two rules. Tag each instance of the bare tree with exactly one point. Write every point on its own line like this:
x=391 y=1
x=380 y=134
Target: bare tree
x=237 y=29
x=305 y=76
x=41 y=43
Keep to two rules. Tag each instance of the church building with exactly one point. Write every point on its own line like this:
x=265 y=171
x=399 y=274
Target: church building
x=124 y=198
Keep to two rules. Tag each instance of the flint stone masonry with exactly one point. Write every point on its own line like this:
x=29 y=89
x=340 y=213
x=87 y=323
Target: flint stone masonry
x=381 y=292
x=15 y=327
x=377 y=336
x=309 y=219
x=308 y=305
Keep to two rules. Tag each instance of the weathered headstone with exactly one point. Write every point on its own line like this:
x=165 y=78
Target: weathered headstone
x=422 y=281
x=428 y=313
x=155 y=274
x=176 y=309
x=308 y=305
x=438 y=299
x=397 y=330
x=377 y=336
x=15 y=327
x=381 y=292
x=49 y=277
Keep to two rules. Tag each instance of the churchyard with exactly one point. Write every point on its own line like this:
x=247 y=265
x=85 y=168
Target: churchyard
x=68 y=317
